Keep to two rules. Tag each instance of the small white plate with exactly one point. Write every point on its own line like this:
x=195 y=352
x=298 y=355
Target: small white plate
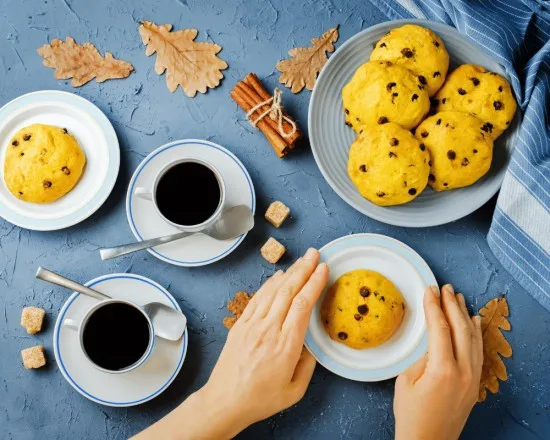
x=96 y=136
x=126 y=389
x=410 y=274
x=199 y=249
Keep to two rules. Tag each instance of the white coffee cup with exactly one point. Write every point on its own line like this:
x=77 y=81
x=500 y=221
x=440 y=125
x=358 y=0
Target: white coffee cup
x=150 y=194
x=80 y=326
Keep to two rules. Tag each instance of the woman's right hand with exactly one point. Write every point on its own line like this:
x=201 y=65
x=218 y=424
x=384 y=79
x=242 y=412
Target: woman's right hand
x=435 y=396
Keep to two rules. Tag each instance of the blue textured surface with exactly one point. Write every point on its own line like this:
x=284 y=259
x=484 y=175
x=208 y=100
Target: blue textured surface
x=40 y=404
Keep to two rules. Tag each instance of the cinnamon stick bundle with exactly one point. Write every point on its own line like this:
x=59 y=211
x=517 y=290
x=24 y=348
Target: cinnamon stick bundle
x=250 y=93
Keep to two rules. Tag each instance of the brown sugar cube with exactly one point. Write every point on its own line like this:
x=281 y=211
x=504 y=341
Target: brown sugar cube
x=33 y=357
x=277 y=213
x=32 y=319
x=272 y=250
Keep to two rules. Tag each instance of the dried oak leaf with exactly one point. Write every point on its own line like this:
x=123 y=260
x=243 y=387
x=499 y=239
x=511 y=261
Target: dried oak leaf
x=302 y=68
x=192 y=65
x=493 y=320
x=236 y=307
x=82 y=62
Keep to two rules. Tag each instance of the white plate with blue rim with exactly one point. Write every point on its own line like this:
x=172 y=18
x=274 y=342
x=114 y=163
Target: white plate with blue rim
x=96 y=136
x=126 y=389
x=410 y=274
x=331 y=139
x=145 y=222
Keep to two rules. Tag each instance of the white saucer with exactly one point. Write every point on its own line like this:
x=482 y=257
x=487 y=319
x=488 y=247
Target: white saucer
x=410 y=274
x=145 y=222
x=96 y=136
x=126 y=389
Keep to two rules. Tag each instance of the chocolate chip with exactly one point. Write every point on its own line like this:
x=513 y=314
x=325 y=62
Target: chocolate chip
x=394 y=142
x=405 y=183
x=346 y=111
x=393 y=96
x=348 y=124
x=364 y=291
x=475 y=81
x=407 y=53
x=424 y=133
x=358 y=317
x=20 y=193
x=445 y=184
x=326 y=321
x=363 y=168
x=461 y=91
x=390 y=85
x=15 y=143
x=431 y=178
x=444 y=100
x=375 y=293
x=414 y=97
x=358 y=120
x=65 y=131
x=475 y=151
x=487 y=127
x=380 y=193
x=422 y=147
x=340 y=309
x=343 y=336
x=438 y=122
x=363 y=309
x=498 y=105
x=383 y=45
x=392 y=155
x=381 y=298
x=465 y=162
x=46 y=184
x=429 y=162
x=507 y=122
x=412 y=191
x=420 y=87
x=382 y=120
x=66 y=170
x=436 y=43
x=422 y=80
x=436 y=74
x=500 y=88
x=22 y=154
x=451 y=154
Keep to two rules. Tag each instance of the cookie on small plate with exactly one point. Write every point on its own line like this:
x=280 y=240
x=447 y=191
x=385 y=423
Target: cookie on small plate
x=473 y=89
x=382 y=92
x=388 y=165
x=417 y=48
x=460 y=150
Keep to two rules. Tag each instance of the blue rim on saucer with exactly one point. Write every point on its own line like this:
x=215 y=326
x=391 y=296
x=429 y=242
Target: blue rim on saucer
x=373 y=375
x=151 y=156
x=59 y=358
x=46 y=96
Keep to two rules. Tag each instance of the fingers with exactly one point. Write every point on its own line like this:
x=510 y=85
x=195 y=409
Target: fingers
x=297 y=318
x=415 y=371
x=259 y=299
x=464 y=309
x=302 y=375
x=291 y=286
x=461 y=332
x=478 y=337
x=440 y=346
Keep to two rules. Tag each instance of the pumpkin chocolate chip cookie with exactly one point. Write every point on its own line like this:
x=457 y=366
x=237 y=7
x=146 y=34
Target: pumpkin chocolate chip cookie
x=388 y=165
x=418 y=49
x=460 y=150
x=43 y=163
x=362 y=309
x=381 y=92
x=487 y=95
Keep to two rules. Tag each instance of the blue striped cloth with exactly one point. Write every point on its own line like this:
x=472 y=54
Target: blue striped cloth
x=516 y=33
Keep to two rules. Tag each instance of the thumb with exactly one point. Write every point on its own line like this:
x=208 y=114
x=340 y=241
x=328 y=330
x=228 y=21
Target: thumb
x=302 y=376
x=416 y=370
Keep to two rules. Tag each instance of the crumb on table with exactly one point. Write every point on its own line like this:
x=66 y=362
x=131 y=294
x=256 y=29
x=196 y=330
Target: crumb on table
x=33 y=357
x=32 y=319
x=277 y=213
x=272 y=250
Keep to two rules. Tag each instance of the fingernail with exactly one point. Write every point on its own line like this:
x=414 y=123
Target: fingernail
x=320 y=268
x=435 y=290
x=278 y=273
x=450 y=288
x=310 y=254
x=477 y=320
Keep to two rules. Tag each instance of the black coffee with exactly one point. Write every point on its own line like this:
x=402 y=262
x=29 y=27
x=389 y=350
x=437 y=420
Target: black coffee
x=116 y=336
x=188 y=194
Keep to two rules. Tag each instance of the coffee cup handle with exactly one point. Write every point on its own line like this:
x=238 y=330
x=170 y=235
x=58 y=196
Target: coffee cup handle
x=70 y=323
x=143 y=193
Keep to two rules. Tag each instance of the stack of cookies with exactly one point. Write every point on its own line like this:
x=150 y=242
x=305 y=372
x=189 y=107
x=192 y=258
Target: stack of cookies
x=388 y=99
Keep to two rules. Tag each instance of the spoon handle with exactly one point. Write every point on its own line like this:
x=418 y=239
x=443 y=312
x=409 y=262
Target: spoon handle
x=52 y=277
x=108 y=253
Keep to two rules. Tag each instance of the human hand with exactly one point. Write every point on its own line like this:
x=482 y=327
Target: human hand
x=264 y=367
x=434 y=397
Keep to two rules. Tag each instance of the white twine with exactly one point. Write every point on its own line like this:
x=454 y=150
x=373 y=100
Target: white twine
x=275 y=112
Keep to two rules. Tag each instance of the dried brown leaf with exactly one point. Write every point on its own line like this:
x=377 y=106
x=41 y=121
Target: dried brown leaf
x=82 y=63
x=302 y=68
x=236 y=306
x=493 y=320
x=192 y=65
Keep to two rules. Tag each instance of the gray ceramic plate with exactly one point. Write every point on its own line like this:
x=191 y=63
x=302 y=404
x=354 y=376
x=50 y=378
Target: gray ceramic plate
x=330 y=138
